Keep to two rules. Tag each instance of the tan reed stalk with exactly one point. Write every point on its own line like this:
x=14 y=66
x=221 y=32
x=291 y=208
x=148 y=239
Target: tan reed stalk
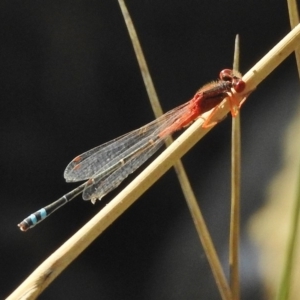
x=190 y=197
x=61 y=258
x=234 y=235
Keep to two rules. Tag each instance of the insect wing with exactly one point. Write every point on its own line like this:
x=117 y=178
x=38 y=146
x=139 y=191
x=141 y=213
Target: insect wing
x=100 y=185
x=106 y=156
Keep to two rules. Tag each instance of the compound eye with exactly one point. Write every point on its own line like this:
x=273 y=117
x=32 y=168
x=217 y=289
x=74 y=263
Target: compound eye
x=239 y=85
x=226 y=75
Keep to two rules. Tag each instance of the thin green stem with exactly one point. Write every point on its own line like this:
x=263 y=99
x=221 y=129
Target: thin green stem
x=285 y=284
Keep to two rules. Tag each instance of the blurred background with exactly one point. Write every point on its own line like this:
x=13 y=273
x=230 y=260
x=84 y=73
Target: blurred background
x=70 y=81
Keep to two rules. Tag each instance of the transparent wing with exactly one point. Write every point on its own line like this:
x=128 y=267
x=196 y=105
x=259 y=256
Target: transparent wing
x=105 y=159
x=87 y=164
x=99 y=186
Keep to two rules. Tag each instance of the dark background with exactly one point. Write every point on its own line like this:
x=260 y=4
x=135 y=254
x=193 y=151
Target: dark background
x=70 y=81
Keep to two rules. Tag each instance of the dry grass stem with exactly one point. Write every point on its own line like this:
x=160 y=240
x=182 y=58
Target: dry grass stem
x=189 y=195
x=294 y=21
x=235 y=193
x=61 y=258
x=272 y=59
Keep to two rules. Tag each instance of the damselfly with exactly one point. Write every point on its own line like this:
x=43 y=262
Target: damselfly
x=107 y=165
